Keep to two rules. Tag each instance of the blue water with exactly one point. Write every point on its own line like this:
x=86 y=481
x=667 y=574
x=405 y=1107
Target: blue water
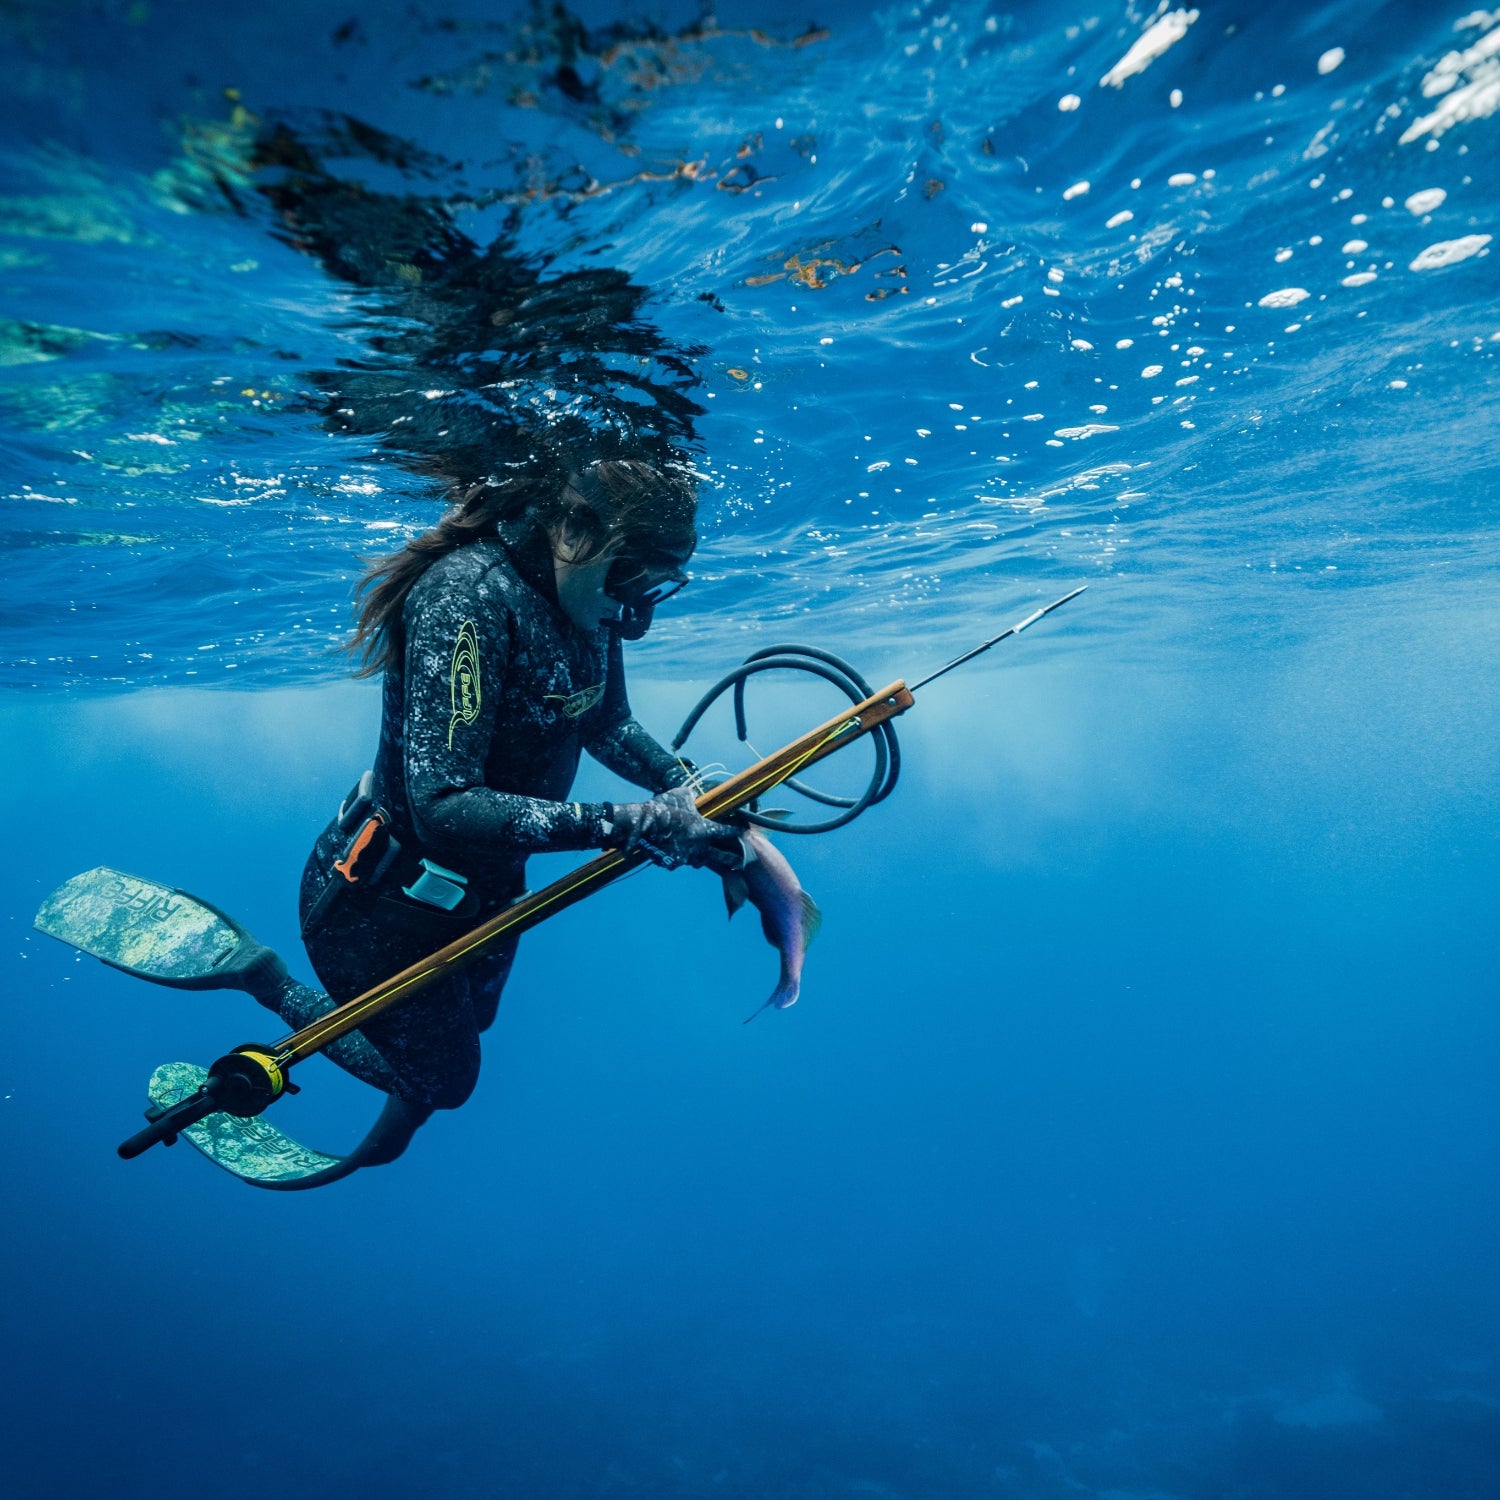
x=1135 y=1135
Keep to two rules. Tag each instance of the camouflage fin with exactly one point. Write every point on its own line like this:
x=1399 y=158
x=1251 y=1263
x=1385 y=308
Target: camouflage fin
x=258 y=1153
x=156 y=932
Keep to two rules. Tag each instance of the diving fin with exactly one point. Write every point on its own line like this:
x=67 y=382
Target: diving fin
x=157 y=932
x=263 y=1156
x=170 y=937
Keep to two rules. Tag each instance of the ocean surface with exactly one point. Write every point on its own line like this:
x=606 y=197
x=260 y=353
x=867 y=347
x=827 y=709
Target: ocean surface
x=1135 y=1135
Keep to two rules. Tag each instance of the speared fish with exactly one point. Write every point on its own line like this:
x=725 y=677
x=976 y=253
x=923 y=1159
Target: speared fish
x=789 y=917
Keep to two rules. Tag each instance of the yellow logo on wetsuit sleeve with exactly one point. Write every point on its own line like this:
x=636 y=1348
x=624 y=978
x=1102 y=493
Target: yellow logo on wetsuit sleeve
x=464 y=678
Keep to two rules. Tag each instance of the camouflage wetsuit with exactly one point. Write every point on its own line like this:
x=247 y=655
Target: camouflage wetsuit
x=483 y=725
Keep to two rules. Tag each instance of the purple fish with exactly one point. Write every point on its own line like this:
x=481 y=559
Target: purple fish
x=788 y=915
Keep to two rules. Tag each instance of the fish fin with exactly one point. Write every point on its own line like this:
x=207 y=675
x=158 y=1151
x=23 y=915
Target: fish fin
x=812 y=918
x=736 y=891
x=777 y=814
x=784 y=995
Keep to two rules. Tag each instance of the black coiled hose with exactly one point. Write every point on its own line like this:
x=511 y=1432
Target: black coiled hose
x=832 y=669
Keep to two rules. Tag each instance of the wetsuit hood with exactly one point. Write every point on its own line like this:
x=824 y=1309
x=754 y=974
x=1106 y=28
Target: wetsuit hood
x=530 y=550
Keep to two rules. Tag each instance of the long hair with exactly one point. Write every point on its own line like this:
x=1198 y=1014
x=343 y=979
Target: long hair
x=626 y=503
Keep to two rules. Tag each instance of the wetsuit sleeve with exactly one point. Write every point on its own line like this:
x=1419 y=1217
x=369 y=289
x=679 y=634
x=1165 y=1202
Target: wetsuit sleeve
x=457 y=651
x=628 y=751
x=619 y=743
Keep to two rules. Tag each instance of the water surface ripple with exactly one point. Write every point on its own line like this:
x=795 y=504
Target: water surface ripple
x=952 y=307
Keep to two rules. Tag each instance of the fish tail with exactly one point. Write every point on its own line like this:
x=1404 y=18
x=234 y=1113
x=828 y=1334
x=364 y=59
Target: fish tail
x=785 y=994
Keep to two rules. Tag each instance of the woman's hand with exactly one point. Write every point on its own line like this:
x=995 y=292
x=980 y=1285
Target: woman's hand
x=671 y=831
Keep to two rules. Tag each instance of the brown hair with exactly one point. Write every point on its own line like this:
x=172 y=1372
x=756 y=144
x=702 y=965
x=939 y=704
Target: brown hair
x=627 y=503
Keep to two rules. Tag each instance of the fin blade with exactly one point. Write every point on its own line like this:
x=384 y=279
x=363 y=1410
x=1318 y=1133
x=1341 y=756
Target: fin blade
x=156 y=932
x=262 y=1156
x=150 y=930
x=252 y=1150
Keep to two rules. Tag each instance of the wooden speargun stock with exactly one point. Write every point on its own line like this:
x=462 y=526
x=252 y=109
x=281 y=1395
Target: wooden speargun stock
x=244 y=1082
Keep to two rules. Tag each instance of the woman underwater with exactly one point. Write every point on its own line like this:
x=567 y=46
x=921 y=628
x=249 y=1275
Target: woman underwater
x=499 y=633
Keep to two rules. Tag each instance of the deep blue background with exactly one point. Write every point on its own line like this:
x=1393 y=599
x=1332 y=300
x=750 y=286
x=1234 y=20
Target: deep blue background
x=1135 y=1130
x=1135 y=1135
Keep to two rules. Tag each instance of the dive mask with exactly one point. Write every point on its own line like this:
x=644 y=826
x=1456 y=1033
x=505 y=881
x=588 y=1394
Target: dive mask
x=626 y=583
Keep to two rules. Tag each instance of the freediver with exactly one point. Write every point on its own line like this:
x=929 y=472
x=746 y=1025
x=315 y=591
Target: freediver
x=499 y=630
x=499 y=633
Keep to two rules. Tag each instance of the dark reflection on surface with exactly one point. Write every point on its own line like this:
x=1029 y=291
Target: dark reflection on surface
x=481 y=357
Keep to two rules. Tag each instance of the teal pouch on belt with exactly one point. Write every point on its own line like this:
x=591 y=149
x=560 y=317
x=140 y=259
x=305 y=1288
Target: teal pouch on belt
x=438 y=886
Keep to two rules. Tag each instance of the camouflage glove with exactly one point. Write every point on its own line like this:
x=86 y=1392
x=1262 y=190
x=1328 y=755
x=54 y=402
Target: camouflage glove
x=671 y=831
